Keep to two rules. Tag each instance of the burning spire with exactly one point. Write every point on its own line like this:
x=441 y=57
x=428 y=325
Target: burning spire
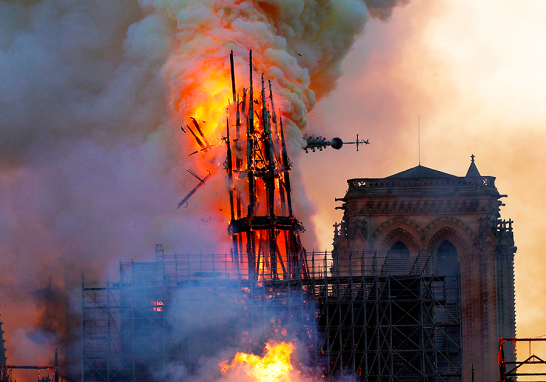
x=262 y=225
x=291 y=43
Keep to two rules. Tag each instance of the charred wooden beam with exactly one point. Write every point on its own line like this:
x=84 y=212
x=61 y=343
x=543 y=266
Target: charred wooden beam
x=200 y=184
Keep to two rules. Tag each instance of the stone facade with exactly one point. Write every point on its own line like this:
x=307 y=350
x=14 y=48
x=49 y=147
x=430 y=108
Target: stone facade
x=457 y=221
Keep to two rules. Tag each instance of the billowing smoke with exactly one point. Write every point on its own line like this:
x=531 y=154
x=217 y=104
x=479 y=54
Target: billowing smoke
x=298 y=44
x=92 y=161
x=210 y=322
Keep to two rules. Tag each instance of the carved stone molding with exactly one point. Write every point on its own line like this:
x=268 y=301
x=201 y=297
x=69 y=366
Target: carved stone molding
x=453 y=229
x=357 y=229
x=419 y=207
x=400 y=234
x=397 y=228
x=448 y=233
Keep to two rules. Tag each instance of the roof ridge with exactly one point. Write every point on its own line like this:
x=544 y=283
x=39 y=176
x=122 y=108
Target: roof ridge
x=419 y=172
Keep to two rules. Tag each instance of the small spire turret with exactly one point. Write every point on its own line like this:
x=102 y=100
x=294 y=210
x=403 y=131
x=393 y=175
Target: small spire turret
x=473 y=170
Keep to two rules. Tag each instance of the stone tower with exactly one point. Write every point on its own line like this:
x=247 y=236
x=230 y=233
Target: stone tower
x=455 y=220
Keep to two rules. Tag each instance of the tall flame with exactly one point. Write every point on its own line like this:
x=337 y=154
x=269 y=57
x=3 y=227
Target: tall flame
x=299 y=45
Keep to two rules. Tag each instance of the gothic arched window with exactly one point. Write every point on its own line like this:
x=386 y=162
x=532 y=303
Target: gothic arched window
x=447 y=261
x=399 y=258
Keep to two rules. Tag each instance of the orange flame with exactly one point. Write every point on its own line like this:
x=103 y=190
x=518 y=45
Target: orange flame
x=204 y=95
x=157 y=306
x=275 y=366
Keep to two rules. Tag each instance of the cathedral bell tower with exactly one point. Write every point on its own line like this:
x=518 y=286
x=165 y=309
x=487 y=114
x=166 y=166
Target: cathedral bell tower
x=454 y=220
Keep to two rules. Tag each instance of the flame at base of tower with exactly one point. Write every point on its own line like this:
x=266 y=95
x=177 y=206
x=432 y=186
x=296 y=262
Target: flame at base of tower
x=274 y=366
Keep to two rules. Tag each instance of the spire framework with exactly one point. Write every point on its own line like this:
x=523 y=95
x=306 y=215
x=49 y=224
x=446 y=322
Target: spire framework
x=262 y=225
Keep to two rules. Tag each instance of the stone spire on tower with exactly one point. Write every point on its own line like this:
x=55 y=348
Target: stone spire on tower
x=472 y=170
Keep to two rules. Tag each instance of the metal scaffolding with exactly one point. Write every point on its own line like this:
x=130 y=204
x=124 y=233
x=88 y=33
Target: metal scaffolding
x=385 y=316
x=380 y=316
x=530 y=367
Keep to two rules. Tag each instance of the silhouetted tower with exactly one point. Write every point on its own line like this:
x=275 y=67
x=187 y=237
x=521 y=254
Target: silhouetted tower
x=4 y=373
x=263 y=227
x=3 y=358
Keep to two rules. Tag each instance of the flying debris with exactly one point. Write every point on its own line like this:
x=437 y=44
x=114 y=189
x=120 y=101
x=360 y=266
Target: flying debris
x=201 y=182
x=182 y=128
x=320 y=143
x=200 y=139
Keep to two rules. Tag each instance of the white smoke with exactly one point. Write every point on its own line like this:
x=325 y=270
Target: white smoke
x=91 y=166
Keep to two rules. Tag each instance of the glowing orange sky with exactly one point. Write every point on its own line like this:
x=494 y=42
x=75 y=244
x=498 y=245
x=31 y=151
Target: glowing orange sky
x=474 y=71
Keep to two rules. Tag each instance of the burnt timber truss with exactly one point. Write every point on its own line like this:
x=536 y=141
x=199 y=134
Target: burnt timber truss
x=367 y=319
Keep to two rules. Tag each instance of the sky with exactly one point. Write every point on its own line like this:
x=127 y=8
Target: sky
x=105 y=191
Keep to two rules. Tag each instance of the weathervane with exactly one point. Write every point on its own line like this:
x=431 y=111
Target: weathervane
x=320 y=142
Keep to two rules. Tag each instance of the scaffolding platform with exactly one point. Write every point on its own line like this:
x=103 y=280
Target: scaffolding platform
x=380 y=317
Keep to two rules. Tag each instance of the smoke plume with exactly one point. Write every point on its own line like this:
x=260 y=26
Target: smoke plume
x=92 y=161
